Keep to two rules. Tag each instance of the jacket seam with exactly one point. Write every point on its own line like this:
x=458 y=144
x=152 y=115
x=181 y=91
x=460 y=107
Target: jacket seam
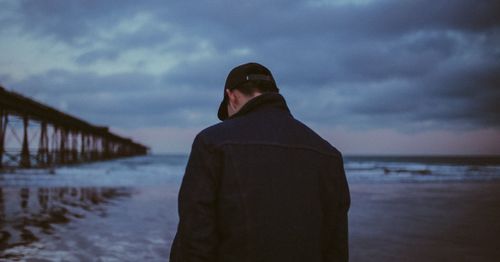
x=245 y=210
x=310 y=148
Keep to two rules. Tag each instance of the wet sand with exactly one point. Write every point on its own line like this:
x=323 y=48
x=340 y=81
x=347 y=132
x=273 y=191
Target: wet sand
x=87 y=224
x=425 y=222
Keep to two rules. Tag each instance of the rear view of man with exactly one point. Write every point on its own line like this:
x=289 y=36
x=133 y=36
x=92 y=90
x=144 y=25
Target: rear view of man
x=261 y=186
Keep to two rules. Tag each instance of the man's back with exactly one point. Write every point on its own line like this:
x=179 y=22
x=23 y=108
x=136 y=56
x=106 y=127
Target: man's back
x=262 y=186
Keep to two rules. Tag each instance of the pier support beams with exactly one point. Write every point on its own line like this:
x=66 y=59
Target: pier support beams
x=25 y=153
x=3 y=127
x=43 y=156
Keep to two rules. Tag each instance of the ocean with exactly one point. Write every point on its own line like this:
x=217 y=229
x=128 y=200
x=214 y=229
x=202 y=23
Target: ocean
x=126 y=209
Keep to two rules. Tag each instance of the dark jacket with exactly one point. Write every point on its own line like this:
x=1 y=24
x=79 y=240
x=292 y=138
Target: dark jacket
x=262 y=186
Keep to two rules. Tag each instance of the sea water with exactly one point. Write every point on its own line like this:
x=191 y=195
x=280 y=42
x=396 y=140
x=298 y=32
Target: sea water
x=421 y=168
x=126 y=209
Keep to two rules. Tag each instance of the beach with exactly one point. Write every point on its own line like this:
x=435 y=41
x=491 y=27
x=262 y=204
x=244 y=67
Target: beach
x=425 y=222
x=126 y=210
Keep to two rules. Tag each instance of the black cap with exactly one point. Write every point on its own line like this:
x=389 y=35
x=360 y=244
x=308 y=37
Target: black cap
x=242 y=74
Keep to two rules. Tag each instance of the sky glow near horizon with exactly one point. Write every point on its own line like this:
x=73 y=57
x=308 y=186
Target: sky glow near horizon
x=371 y=77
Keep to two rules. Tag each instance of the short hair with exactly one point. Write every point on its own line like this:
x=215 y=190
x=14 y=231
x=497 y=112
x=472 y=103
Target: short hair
x=256 y=86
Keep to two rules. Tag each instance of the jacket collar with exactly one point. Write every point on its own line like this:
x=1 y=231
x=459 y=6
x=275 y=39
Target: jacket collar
x=264 y=101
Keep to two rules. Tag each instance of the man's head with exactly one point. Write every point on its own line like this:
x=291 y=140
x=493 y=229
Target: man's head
x=243 y=83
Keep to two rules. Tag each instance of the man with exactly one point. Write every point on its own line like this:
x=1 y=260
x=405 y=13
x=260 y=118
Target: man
x=261 y=186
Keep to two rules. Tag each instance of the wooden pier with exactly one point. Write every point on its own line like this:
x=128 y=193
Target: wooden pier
x=36 y=135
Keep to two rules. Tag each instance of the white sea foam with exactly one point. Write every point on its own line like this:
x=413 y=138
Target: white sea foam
x=139 y=171
x=417 y=170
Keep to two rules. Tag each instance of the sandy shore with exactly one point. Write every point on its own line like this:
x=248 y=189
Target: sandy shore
x=425 y=222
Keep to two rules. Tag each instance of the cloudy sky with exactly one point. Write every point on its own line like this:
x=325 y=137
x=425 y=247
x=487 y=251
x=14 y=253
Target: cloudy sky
x=372 y=77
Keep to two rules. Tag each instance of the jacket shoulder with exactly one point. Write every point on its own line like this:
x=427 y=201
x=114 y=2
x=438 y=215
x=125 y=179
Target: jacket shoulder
x=213 y=134
x=318 y=141
x=219 y=132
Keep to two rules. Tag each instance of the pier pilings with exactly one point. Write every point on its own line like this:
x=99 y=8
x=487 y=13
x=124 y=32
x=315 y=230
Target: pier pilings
x=36 y=135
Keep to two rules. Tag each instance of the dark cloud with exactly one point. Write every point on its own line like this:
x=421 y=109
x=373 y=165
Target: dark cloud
x=405 y=64
x=97 y=55
x=121 y=100
x=70 y=21
x=257 y=20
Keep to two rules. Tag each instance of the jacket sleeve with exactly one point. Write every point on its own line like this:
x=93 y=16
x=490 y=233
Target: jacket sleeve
x=336 y=246
x=196 y=238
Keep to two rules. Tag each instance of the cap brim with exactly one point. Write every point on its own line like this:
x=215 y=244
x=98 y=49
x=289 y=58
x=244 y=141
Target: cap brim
x=222 y=113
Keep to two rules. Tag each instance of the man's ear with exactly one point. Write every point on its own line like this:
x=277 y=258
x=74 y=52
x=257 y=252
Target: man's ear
x=233 y=97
